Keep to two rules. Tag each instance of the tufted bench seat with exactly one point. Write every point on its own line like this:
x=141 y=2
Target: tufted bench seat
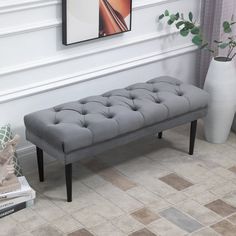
x=78 y=129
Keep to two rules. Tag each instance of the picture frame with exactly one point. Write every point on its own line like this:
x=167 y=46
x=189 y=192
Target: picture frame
x=85 y=20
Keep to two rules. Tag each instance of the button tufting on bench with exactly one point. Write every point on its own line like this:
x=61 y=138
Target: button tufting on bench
x=85 y=125
x=128 y=111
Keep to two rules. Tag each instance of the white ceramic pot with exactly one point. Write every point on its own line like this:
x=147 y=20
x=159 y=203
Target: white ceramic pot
x=221 y=85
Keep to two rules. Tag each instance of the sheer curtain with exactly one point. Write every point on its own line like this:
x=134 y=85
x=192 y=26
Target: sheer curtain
x=214 y=12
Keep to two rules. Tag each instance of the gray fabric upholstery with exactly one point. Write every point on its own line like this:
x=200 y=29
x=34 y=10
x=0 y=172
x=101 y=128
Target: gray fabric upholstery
x=80 y=124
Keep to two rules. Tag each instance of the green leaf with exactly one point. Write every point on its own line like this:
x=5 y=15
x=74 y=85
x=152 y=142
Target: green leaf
x=197 y=40
x=167 y=13
x=170 y=22
x=177 y=15
x=179 y=24
x=161 y=16
x=226 y=24
x=184 y=32
x=227 y=27
x=195 y=30
x=223 y=45
x=190 y=15
x=216 y=41
x=173 y=17
x=189 y=25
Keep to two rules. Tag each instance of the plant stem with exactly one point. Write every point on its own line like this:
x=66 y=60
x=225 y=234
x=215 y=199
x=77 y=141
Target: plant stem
x=230 y=51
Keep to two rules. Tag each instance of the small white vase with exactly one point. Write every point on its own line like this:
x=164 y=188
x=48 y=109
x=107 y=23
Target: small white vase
x=221 y=85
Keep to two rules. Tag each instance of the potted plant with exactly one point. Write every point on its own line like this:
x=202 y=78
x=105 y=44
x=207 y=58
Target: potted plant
x=221 y=77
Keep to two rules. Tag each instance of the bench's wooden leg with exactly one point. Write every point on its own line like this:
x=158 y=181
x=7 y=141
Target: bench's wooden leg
x=40 y=163
x=193 y=131
x=68 y=172
x=160 y=134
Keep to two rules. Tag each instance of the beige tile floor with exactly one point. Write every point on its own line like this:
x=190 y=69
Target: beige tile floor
x=147 y=188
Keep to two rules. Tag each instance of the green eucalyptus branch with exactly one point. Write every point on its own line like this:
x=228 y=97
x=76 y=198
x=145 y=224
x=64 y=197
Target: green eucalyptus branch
x=189 y=26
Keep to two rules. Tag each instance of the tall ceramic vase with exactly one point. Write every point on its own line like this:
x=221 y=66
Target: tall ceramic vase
x=221 y=85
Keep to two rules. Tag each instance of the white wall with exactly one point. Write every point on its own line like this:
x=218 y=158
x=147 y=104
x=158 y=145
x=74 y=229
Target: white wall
x=37 y=71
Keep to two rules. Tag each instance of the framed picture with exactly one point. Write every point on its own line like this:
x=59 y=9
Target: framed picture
x=84 y=20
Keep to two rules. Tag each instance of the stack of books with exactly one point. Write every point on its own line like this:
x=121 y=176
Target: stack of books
x=14 y=201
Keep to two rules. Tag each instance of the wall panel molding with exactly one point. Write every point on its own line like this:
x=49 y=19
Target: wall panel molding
x=21 y=5
x=138 y=5
x=52 y=84
x=70 y=56
x=29 y=28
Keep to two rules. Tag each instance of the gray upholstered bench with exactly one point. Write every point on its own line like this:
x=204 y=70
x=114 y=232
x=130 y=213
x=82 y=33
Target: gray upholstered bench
x=87 y=127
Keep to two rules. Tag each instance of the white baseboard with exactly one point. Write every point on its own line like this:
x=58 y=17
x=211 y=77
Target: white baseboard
x=26 y=151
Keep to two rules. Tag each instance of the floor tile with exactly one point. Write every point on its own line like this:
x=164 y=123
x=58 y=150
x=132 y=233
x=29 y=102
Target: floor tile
x=176 y=181
x=230 y=198
x=205 y=232
x=181 y=220
x=67 y=224
x=143 y=195
x=223 y=189
x=233 y=169
x=224 y=173
x=155 y=185
x=205 y=197
x=110 y=174
x=232 y=219
x=106 y=229
x=143 y=232
x=109 y=210
x=46 y=230
x=127 y=224
x=25 y=234
x=24 y=215
x=202 y=214
x=119 y=198
x=113 y=176
x=88 y=217
x=47 y=210
x=196 y=189
x=9 y=227
x=165 y=228
x=176 y=197
x=81 y=232
x=145 y=216
x=225 y=228
x=157 y=206
x=34 y=222
x=221 y=208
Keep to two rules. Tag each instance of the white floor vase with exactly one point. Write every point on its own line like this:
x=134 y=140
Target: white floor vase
x=221 y=85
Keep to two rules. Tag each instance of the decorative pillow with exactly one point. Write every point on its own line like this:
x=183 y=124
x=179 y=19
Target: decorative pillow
x=5 y=136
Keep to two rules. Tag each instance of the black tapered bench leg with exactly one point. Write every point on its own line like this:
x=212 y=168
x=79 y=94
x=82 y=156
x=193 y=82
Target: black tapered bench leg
x=68 y=172
x=193 y=131
x=40 y=163
x=160 y=134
